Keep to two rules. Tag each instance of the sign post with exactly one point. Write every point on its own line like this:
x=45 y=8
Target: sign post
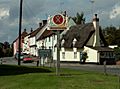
x=57 y=23
x=58 y=54
x=58 y=20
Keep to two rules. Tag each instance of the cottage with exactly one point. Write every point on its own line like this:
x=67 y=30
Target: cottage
x=85 y=38
x=33 y=37
x=16 y=42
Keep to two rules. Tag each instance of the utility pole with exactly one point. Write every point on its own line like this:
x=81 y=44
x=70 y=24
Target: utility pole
x=20 y=25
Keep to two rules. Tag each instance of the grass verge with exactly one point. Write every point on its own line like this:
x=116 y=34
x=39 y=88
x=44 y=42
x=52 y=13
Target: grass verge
x=21 y=77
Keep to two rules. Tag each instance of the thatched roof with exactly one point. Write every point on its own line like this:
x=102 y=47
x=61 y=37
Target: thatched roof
x=81 y=33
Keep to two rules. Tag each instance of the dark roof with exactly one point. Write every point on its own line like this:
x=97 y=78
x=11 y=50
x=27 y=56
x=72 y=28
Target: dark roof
x=32 y=34
x=24 y=33
x=105 y=49
x=45 y=34
x=81 y=32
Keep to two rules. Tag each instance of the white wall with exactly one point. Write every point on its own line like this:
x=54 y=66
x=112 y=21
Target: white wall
x=33 y=50
x=26 y=47
x=92 y=54
x=15 y=49
x=32 y=41
x=69 y=54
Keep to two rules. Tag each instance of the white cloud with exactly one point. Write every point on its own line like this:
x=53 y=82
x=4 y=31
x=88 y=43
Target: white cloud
x=115 y=12
x=4 y=13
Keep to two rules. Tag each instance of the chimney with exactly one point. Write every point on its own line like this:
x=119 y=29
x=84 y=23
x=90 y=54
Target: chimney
x=96 y=34
x=40 y=24
x=25 y=30
x=65 y=13
x=44 y=22
x=31 y=30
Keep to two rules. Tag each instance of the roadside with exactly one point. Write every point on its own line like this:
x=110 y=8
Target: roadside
x=111 y=69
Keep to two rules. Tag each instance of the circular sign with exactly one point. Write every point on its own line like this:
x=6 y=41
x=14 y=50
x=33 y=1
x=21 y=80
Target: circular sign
x=58 y=19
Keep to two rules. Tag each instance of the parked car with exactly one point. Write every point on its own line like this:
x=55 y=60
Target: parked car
x=27 y=59
x=17 y=55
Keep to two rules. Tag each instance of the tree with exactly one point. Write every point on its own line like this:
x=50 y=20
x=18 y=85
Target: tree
x=79 y=18
x=1 y=50
x=110 y=34
x=6 y=45
x=117 y=53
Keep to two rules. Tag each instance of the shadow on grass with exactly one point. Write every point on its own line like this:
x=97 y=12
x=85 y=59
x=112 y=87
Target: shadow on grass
x=16 y=70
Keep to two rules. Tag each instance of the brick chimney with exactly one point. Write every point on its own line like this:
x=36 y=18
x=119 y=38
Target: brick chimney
x=96 y=34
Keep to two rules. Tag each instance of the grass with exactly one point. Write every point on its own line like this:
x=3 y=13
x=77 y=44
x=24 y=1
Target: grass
x=15 y=77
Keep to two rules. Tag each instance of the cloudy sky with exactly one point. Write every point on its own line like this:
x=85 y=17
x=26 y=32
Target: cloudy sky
x=36 y=10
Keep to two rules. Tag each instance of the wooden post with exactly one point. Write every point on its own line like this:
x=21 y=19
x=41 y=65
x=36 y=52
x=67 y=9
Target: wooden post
x=105 y=71
x=58 y=54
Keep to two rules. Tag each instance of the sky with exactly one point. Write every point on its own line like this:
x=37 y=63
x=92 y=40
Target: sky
x=36 y=10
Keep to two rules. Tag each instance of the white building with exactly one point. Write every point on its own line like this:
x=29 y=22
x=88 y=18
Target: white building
x=86 y=38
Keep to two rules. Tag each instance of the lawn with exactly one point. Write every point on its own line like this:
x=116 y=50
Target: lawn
x=15 y=77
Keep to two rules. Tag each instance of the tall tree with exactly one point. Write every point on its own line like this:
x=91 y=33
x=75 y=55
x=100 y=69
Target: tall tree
x=79 y=18
x=111 y=35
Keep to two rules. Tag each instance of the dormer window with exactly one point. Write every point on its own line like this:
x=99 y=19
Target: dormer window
x=74 y=41
x=62 y=42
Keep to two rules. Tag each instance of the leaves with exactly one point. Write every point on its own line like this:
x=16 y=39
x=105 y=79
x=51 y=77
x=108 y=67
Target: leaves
x=79 y=18
x=5 y=50
x=111 y=35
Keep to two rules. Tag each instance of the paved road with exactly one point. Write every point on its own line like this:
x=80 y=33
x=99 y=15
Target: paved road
x=13 y=61
x=112 y=69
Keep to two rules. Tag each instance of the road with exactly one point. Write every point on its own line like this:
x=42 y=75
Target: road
x=110 y=69
x=13 y=61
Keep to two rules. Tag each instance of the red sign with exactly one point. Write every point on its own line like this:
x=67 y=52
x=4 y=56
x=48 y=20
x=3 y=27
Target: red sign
x=58 y=19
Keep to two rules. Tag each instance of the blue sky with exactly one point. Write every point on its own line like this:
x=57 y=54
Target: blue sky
x=36 y=10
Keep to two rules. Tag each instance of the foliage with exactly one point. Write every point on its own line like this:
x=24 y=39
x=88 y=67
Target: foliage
x=79 y=18
x=111 y=35
x=84 y=57
x=5 y=50
x=1 y=50
x=117 y=53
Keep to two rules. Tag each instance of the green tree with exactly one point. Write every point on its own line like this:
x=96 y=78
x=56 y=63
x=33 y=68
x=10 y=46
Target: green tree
x=79 y=18
x=110 y=34
x=8 y=52
x=1 y=50
x=117 y=53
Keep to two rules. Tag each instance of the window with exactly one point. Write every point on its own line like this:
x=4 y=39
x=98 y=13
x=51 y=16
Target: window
x=49 y=39
x=63 y=55
x=54 y=37
x=75 y=55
